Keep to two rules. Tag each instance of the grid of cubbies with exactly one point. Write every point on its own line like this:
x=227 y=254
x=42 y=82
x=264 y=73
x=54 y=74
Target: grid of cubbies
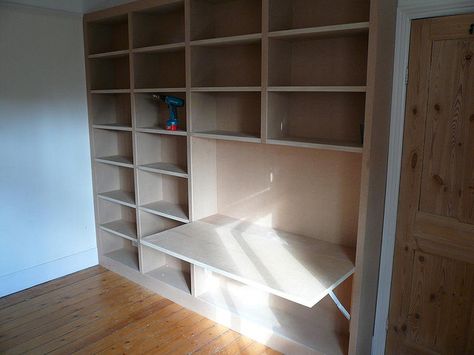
x=292 y=78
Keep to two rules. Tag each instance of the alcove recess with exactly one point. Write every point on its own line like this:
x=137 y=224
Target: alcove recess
x=256 y=195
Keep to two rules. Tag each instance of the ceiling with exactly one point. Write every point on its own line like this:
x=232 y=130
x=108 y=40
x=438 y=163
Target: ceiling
x=77 y=6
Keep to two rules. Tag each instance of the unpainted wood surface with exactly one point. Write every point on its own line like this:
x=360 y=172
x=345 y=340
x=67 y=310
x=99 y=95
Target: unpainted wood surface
x=97 y=311
x=432 y=300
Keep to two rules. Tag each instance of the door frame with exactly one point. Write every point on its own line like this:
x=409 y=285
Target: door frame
x=405 y=14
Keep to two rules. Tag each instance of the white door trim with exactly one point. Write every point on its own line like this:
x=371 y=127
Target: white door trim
x=405 y=14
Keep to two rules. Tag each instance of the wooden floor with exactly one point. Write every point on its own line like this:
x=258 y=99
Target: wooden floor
x=97 y=311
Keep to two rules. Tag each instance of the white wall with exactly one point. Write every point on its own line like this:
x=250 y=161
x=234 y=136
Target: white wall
x=46 y=210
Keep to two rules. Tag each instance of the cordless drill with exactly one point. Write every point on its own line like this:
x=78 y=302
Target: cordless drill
x=173 y=103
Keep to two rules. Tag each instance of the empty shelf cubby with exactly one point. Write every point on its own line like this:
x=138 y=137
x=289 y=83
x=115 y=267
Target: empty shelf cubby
x=113 y=147
x=111 y=110
x=316 y=118
x=115 y=184
x=160 y=69
x=108 y=35
x=163 y=195
x=158 y=26
x=152 y=114
x=226 y=65
x=165 y=268
x=117 y=219
x=162 y=154
x=152 y=224
x=226 y=114
x=120 y=250
x=111 y=73
x=296 y=14
x=316 y=61
x=223 y=18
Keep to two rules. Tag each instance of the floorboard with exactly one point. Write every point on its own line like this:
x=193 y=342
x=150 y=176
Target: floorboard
x=95 y=311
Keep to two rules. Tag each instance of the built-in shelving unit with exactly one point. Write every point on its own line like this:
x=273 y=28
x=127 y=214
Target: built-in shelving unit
x=255 y=196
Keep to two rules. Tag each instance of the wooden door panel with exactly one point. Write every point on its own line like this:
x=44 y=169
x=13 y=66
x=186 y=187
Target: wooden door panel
x=446 y=157
x=442 y=290
x=432 y=298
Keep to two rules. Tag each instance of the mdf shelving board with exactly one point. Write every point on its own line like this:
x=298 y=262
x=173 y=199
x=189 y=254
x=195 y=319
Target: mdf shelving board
x=167 y=209
x=227 y=135
x=113 y=54
x=317 y=88
x=160 y=130
x=160 y=89
x=227 y=89
x=124 y=256
x=118 y=160
x=122 y=228
x=110 y=91
x=112 y=126
x=242 y=39
x=323 y=31
x=316 y=144
x=300 y=269
x=126 y=198
x=159 y=48
x=172 y=276
x=165 y=168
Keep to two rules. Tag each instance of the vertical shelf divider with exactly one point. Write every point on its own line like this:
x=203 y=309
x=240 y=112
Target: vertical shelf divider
x=264 y=84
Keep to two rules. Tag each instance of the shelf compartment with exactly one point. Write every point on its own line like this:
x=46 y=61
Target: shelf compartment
x=162 y=154
x=318 y=120
x=152 y=223
x=160 y=69
x=315 y=61
x=297 y=14
x=112 y=111
x=117 y=219
x=226 y=65
x=212 y=19
x=109 y=73
x=158 y=25
x=108 y=35
x=253 y=255
x=322 y=327
x=115 y=184
x=152 y=114
x=165 y=268
x=113 y=147
x=163 y=195
x=226 y=115
x=119 y=250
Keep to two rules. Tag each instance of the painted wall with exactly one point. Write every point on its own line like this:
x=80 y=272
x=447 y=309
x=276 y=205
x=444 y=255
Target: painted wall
x=46 y=211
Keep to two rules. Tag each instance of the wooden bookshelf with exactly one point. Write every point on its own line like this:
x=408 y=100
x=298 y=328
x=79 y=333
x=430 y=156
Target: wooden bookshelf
x=257 y=192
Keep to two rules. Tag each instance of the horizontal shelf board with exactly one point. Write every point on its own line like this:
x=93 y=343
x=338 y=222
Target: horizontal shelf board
x=227 y=89
x=159 y=130
x=160 y=48
x=227 y=135
x=158 y=90
x=113 y=126
x=322 y=31
x=242 y=39
x=118 y=196
x=125 y=257
x=111 y=91
x=317 y=88
x=173 y=277
x=168 y=210
x=299 y=269
x=316 y=144
x=121 y=53
x=125 y=229
x=117 y=160
x=165 y=168
x=310 y=327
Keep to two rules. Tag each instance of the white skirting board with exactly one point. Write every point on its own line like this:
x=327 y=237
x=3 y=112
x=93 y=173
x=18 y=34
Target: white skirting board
x=39 y=274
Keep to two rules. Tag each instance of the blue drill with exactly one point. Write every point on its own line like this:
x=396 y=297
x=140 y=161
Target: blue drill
x=173 y=103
